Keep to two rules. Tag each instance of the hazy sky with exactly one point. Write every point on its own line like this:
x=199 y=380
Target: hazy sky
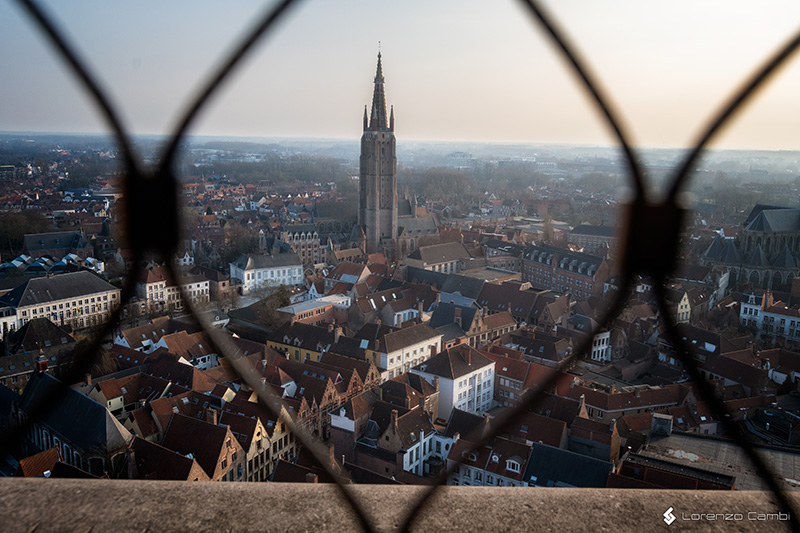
x=471 y=70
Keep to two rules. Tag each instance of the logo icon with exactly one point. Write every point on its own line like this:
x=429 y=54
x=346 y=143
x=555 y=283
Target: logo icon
x=669 y=518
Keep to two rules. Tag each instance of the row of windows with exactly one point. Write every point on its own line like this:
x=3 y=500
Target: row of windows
x=274 y=274
x=511 y=384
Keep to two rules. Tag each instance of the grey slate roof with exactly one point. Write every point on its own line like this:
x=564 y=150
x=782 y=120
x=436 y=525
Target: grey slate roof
x=454 y=362
x=420 y=275
x=336 y=210
x=558 y=467
x=441 y=253
x=445 y=314
x=757 y=257
x=730 y=254
x=464 y=285
x=545 y=253
x=38 y=333
x=64 y=286
x=77 y=418
x=784 y=259
x=772 y=219
x=397 y=340
x=253 y=261
x=714 y=251
x=300 y=228
x=757 y=209
x=55 y=240
x=415 y=227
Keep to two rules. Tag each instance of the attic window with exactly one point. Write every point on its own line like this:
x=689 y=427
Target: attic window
x=174 y=408
x=124 y=390
x=185 y=401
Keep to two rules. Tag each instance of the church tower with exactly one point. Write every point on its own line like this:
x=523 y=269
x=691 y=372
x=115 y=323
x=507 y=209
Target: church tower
x=377 y=199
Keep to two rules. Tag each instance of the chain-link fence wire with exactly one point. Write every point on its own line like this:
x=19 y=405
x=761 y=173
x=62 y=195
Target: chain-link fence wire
x=649 y=248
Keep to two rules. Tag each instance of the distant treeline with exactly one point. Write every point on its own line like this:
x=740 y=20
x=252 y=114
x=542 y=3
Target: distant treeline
x=302 y=168
x=14 y=226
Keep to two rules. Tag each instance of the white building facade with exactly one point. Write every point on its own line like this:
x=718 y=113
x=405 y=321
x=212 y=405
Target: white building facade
x=256 y=271
x=466 y=379
x=79 y=299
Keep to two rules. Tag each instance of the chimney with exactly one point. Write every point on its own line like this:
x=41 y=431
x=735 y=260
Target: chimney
x=311 y=478
x=332 y=457
x=330 y=327
x=457 y=318
x=419 y=312
x=264 y=363
x=456 y=436
x=422 y=403
x=133 y=471
x=337 y=333
x=41 y=362
x=393 y=419
x=613 y=426
x=212 y=416
x=436 y=383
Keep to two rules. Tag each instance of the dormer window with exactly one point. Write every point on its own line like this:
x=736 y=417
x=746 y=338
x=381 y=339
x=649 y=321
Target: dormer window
x=513 y=466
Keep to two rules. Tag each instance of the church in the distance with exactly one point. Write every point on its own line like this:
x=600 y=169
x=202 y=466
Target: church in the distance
x=378 y=205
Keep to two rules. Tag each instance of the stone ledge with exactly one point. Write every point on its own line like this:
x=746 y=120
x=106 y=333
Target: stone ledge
x=48 y=505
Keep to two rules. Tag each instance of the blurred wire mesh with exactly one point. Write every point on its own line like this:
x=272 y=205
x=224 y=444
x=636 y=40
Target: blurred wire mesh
x=651 y=236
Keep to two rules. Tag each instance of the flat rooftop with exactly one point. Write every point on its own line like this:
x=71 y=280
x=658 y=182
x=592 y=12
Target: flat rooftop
x=726 y=458
x=311 y=305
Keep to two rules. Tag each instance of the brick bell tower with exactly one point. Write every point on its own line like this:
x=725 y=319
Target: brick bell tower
x=377 y=199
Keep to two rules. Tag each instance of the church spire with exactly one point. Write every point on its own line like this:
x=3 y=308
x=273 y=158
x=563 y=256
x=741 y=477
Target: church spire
x=378 y=117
